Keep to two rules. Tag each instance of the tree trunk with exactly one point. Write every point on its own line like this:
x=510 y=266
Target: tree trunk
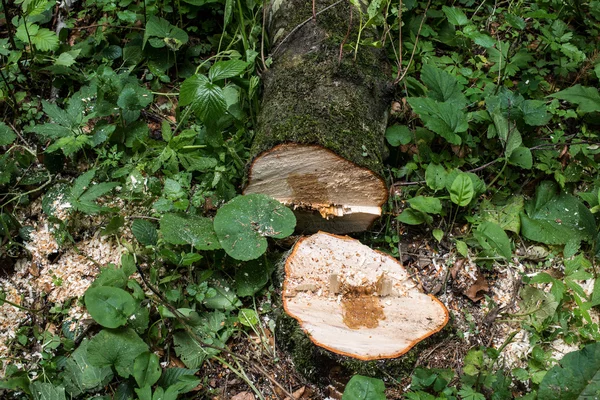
x=319 y=143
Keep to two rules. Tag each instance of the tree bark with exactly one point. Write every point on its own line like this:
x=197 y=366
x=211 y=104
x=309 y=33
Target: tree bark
x=319 y=144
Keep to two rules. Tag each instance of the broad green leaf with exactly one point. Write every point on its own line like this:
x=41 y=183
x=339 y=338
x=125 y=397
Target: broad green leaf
x=45 y=40
x=189 y=229
x=411 y=217
x=443 y=87
x=205 y=98
x=461 y=191
x=577 y=376
x=109 y=306
x=47 y=391
x=492 y=237
x=397 y=135
x=248 y=317
x=226 y=69
x=158 y=27
x=182 y=378
x=535 y=112
x=212 y=330
x=455 y=16
x=243 y=223
x=438 y=234
x=251 y=277
x=224 y=298
x=480 y=39
x=79 y=376
x=7 y=136
x=554 y=217
x=445 y=119
x=145 y=232
x=505 y=214
x=364 y=388
x=462 y=248
x=507 y=132
x=521 y=157
x=435 y=176
x=81 y=184
x=146 y=369
x=116 y=348
x=587 y=98
x=430 y=205
x=537 y=304
x=515 y=21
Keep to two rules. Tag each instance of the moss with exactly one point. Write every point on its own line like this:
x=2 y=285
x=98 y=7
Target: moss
x=316 y=363
x=312 y=98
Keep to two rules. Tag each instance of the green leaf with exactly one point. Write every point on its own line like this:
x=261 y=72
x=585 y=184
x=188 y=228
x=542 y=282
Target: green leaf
x=521 y=157
x=492 y=236
x=577 y=376
x=145 y=232
x=445 y=119
x=223 y=299
x=134 y=98
x=505 y=214
x=438 y=234
x=397 y=135
x=243 y=223
x=411 y=217
x=109 y=306
x=79 y=376
x=461 y=190
x=206 y=98
x=47 y=391
x=45 y=40
x=462 y=248
x=455 y=16
x=587 y=98
x=226 y=69
x=116 y=348
x=7 y=136
x=507 y=132
x=535 y=112
x=443 y=87
x=191 y=229
x=537 y=304
x=146 y=369
x=67 y=58
x=251 y=277
x=429 y=205
x=182 y=378
x=515 y=21
x=364 y=388
x=554 y=217
x=248 y=317
x=435 y=176
x=158 y=27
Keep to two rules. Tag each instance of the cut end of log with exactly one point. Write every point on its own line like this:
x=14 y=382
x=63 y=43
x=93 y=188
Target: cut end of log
x=325 y=190
x=355 y=301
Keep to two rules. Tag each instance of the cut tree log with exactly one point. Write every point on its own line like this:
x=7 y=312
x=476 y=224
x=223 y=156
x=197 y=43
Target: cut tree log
x=357 y=302
x=319 y=143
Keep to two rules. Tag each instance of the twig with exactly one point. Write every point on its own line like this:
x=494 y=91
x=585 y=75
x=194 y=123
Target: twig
x=182 y=319
x=77 y=28
x=262 y=38
x=300 y=25
x=345 y=37
x=412 y=56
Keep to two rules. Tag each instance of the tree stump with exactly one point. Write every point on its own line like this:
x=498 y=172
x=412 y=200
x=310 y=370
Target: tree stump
x=319 y=143
x=356 y=302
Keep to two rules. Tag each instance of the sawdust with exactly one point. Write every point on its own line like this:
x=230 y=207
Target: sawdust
x=53 y=274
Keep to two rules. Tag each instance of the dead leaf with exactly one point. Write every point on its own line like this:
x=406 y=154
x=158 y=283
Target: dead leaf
x=476 y=291
x=243 y=396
